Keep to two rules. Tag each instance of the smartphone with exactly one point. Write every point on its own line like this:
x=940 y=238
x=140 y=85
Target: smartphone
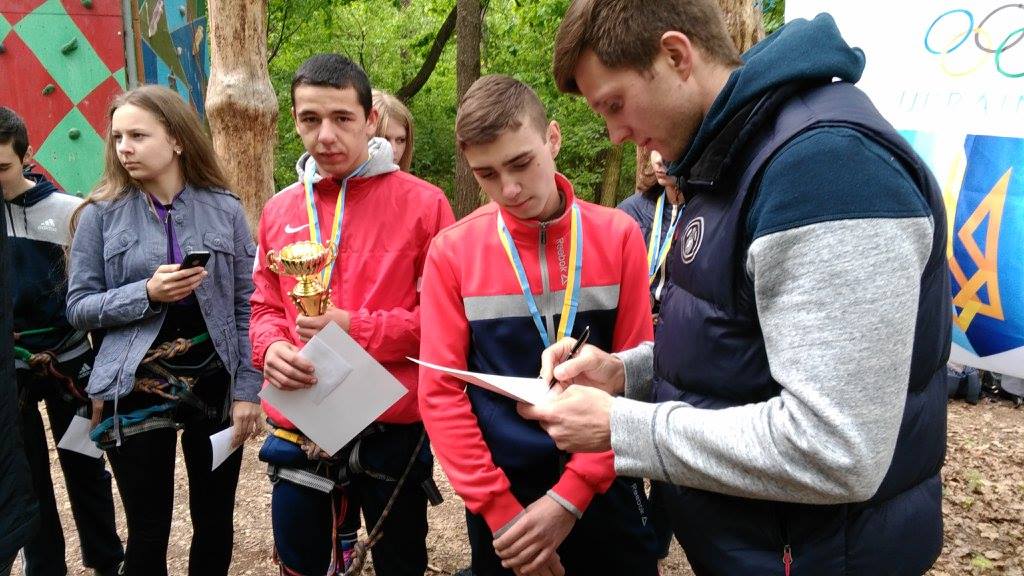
x=196 y=258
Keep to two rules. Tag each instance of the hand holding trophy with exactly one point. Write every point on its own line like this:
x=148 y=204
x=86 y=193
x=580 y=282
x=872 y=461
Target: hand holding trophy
x=304 y=261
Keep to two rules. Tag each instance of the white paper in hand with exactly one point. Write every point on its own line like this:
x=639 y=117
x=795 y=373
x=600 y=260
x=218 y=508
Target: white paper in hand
x=357 y=400
x=221 y=445
x=530 y=390
x=76 y=439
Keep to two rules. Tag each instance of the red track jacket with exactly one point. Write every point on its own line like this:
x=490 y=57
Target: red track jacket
x=389 y=220
x=475 y=317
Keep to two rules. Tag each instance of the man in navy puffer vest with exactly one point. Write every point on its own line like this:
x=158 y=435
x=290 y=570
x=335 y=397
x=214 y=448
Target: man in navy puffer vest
x=800 y=424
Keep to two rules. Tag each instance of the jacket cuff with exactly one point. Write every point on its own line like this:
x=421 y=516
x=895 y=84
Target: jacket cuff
x=501 y=531
x=137 y=301
x=572 y=492
x=262 y=343
x=248 y=383
x=634 y=439
x=501 y=511
x=638 y=364
x=360 y=327
x=569 y=506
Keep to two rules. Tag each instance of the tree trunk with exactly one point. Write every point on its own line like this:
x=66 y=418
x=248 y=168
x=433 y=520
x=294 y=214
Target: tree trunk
x=240 y=102
x=643 y=158
x=467 y=67
x=743 y=21
x=443 y=35
x=612 y=171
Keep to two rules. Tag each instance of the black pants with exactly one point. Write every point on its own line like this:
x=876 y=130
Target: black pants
x=144 y=468
x=6 y=564
x=612 y=537
x=302 y=516
x=659 y=519
x=88 y=488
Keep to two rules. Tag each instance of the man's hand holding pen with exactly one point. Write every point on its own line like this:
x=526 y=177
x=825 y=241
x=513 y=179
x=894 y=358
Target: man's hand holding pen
x=579 y=418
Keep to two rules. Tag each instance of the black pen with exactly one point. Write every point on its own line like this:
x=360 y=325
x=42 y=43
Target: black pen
x=576 y=348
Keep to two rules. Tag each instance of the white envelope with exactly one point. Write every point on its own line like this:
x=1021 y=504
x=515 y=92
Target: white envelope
x=334 y=414
x=331 y=368
x=530 y=390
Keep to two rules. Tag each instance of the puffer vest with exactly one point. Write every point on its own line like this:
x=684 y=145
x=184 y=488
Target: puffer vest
x=710 y=353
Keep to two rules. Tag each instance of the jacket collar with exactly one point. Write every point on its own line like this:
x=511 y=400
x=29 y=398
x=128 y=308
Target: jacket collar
x=380 y=160
x=35 y=194
x=528 y=231
x=182 y=201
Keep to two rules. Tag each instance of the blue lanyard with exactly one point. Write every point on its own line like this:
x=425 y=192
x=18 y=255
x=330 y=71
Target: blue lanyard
x=570 y=303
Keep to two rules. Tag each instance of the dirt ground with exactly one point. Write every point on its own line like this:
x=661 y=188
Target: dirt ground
x=983 y=506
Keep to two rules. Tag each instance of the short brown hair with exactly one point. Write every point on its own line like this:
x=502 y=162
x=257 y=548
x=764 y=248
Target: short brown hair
x=627 y=33
x=493 y=104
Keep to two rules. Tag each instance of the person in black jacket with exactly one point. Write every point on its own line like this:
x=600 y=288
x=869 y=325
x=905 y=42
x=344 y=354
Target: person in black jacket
x=52 y=364
x=657 y=207
x=18 y=509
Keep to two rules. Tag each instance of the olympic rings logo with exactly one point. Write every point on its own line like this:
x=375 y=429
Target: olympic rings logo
x=983 y=41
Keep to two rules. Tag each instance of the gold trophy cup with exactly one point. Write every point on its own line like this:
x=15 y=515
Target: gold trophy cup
x=304 y=261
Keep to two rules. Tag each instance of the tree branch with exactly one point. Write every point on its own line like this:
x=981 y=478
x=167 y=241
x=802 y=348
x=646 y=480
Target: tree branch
x=405 y=93
x=280 y=37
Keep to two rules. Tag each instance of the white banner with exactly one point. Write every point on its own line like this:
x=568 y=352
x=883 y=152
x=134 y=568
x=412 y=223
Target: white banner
x=950 y=77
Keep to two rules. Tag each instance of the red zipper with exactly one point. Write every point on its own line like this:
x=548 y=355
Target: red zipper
x=787 y=558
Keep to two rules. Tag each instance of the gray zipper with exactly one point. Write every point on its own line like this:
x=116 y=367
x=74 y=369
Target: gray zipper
x=545 y=295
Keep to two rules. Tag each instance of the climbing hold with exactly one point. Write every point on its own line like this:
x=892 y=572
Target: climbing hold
x=2 y=48
x=87 y=3
x=48 y=89
x=182 y=10
x=74 y=133
x=70 y=47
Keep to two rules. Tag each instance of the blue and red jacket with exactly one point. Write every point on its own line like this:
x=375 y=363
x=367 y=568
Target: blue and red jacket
x=474 y=317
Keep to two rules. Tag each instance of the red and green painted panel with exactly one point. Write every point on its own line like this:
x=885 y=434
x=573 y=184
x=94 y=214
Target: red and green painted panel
x=63 y=61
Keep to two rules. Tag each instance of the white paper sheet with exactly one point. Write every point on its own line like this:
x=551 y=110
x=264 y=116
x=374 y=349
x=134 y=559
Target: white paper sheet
x=76 y=439
x=356 y=401
x=222 y=448
x=530 y=390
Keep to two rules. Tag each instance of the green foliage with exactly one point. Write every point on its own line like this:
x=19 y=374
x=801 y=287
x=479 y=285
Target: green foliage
x=391 y=41
x=774 y=14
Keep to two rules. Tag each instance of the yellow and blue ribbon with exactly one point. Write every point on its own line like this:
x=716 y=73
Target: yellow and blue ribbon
x=658 y=249
x=570 y=303
x=339 y=211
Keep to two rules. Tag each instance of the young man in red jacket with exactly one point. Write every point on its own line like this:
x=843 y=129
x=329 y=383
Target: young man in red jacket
x=534 y=265
x=351 y=193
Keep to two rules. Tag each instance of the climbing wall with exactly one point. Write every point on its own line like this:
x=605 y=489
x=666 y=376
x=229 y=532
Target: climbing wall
x=63 y=61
